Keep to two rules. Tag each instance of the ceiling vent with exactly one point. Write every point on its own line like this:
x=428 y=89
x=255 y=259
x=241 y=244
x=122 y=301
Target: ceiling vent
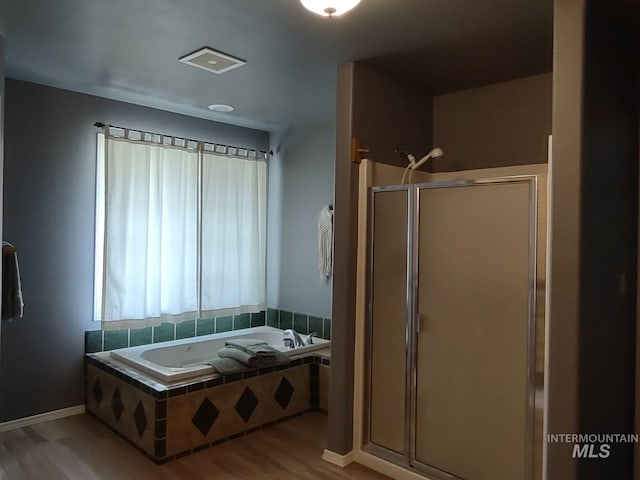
x=212 y=60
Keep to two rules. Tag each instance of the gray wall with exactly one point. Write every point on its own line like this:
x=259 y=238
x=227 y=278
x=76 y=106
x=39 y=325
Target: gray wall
x=275 y=194
x=497 y=125
x=1 y=156
x=300 y=184
x=49 y=199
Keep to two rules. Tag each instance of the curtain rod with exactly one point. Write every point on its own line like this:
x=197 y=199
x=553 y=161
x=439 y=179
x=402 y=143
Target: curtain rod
x=102 y=125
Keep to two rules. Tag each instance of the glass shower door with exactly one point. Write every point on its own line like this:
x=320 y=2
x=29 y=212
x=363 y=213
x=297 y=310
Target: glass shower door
x=387 y=330
x=475 y=270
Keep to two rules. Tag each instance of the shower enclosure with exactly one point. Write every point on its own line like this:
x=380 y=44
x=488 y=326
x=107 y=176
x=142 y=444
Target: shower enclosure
x=454 y=351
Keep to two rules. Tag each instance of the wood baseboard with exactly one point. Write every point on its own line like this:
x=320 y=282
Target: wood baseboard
x=41 y=418
x=338 y=460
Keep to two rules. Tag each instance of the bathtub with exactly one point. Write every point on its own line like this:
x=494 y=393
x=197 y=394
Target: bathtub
x=183 y=359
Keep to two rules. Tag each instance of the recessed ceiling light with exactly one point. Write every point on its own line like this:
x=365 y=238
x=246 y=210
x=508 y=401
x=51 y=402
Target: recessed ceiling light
x=219 y=107
x=330 y=8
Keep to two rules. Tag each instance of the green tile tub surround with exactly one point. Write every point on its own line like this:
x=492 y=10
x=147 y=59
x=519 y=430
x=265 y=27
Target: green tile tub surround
x=316 y=326
x=186 y=329
x=140 y=336
x=258 y=319
x=115 y=339
x=326 y=331
x=273 y=318
x=205 y=326
x=93 y=341
x=164 y=332
x=286 y=319
x=224 y=324
x=98 y=341
x=301 y=323
x=242 y=321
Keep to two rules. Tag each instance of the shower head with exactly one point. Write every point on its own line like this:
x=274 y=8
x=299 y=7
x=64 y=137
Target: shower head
x=435 y=153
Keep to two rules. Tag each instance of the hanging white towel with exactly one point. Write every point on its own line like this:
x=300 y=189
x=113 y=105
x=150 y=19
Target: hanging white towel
x=325 y=243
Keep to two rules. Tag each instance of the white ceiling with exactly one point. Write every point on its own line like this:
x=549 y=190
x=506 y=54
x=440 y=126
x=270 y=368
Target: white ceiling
x=128 y=50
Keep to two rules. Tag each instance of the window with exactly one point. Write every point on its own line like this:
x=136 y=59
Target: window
x=180 y=231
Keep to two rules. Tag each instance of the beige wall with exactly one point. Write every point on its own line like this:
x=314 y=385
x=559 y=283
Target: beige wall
x=384 y=115
x=382 y=174
x=388 y=115
x=497 y=125
x=564 y=245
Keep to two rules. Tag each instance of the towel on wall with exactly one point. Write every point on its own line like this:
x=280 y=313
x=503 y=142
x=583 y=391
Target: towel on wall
x=12 y=304
x=325 y=243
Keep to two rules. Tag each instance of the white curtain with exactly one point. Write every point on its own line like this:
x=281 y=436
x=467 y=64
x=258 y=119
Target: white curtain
x=233 y=234
x=180 y=233
x=151 y=233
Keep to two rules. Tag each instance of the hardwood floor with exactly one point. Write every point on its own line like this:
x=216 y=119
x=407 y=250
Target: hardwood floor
x=81 y=448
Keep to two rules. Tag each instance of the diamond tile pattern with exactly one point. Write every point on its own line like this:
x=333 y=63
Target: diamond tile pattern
x=217 y=410
x=97 y=392
x=284 y=393
x=116 y=404
x=247 y=404
x=205 y=417
x=140 y=417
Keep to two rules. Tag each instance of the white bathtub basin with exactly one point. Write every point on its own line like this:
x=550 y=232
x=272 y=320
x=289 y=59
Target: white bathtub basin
x=182 y=359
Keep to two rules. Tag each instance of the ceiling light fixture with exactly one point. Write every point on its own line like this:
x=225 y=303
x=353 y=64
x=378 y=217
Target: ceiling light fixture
x=330 y=8
x=219 y=107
